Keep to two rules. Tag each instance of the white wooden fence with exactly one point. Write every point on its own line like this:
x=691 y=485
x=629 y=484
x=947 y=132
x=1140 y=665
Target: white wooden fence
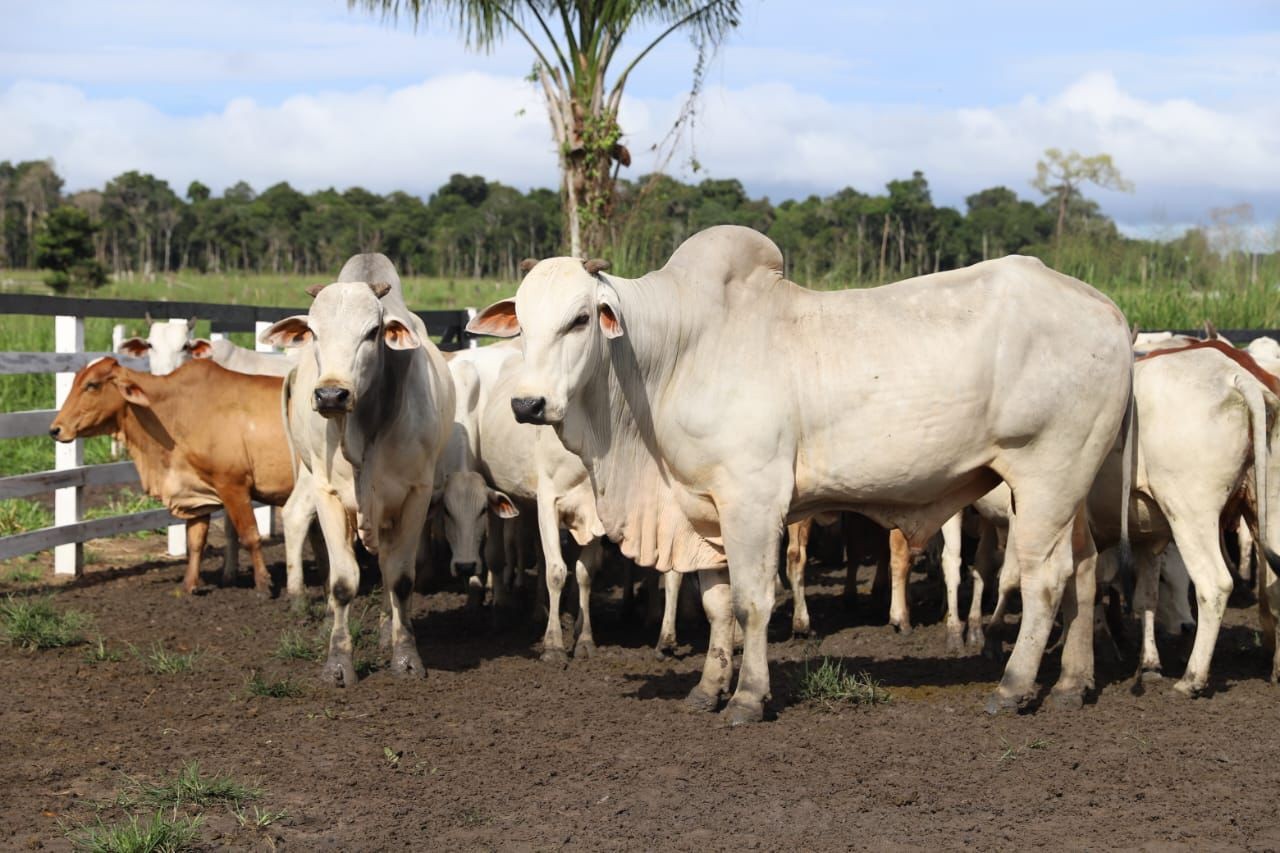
x=70 y=475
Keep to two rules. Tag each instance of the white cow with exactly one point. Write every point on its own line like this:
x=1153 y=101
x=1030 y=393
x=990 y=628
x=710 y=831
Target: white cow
x=712 y=400
x=370 y=407
x=171 y=343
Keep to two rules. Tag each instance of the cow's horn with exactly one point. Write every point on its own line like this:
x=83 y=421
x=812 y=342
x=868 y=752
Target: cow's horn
x=191 y=324
x=146 y=315
x=314 y=290
x=380 y=288
x=528 y=264
x=596 y=265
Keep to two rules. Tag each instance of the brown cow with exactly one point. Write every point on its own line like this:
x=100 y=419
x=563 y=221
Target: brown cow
x=202 y=438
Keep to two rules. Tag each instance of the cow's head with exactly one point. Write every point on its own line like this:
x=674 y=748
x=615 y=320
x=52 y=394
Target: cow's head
x=1173 y=605
x=94 y=404
x=168 y=343
x=565 y=313
x=466 y=501
x=349 y=329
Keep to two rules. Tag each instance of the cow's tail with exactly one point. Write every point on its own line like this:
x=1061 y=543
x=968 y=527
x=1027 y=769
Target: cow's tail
x=1252 y=392
x=1124 y=552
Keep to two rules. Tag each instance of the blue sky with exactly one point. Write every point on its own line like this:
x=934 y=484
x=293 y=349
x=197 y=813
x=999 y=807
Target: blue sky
x=806 y=97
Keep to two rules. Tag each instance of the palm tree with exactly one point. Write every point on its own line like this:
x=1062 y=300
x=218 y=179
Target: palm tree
x=574 y=42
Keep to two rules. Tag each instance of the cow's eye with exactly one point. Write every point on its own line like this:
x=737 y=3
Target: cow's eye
x=580 y=321
x=91 y=386
x=373 y=333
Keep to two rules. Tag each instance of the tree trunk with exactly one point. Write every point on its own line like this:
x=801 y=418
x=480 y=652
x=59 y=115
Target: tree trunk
x=884 y=246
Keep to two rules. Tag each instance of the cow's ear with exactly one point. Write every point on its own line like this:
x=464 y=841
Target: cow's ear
x=499 y=320
x=399 y=336
x=200 y=348
x=136 y=347
x=289 y=332
x=610 y=314
x=501 y=505
x=132 y=393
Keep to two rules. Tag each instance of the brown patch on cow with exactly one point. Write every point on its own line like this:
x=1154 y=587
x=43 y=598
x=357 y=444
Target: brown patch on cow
x=1239 y=356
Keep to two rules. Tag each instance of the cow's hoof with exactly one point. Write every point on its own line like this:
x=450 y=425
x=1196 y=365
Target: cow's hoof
x=584 y=650
x=975 y=643
x=338 y=671
x=955 y=644
x=999 y=703
x=1068 y=700
x=406 y=663
x=903 y=628
x=1188 y=689
x=559 y=657
x=699 y=700
x=738 y=713
x=1150 y=676
x=262 y=591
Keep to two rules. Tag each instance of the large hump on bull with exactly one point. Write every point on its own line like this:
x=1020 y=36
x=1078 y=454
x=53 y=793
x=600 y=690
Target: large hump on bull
x=374 y=268
x=728 y=254
x=371 y=267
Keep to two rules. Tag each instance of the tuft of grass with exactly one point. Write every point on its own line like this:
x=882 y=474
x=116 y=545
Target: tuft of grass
x=1012 y=752
x=24 y=574
x=284 y=689
x=830 y=685
x=36 y=624
x=191 y=788
x=99 y=653
x=163 y=833
x=261 y=818
x=160 y=661
x=19 y=515
x=296 y=645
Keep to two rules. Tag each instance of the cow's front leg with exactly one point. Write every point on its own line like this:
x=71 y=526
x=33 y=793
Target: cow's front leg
x=197 y=534
x=671 y=599
x=585 y=568
x=344 y=580
x=553 y=650
x=951 y=534
x=900 y=575
x=797 y=559
x=751 y=537
x=299 y=511
x=717 y=669
x=400 y=549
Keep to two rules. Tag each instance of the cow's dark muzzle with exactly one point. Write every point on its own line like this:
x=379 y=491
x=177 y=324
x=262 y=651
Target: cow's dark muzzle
x=464 y=570
x=530 y=410
x=332 y=400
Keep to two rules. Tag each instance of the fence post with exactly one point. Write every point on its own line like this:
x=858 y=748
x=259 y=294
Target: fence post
x=68 y=336
x=177 y=533
x=263 y=514
x=471 y=315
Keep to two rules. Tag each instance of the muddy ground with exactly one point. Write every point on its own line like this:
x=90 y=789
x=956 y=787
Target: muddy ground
x=496 y=750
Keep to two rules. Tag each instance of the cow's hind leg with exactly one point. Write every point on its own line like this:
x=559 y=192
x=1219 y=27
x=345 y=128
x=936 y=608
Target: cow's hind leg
x=239 y=508
x=951 y=535
x=230 y=553
x=399 y=563
x=1076 y=678
x=1199 y=545
x=1041 y=537
x=717 y=669
x=797 y=557
x=983 y=564
x=1145 y=593
x=751 y=537
x=1268 y=610
x=585 y=568
x=197 y=534
x=900 y=574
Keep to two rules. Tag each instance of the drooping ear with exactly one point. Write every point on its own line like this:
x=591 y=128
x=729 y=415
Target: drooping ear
x=313 y=290
x=399 y=336
x=528 y=264
x=499 y=320
x=610 y=313
x=380 y=288
x=595 y=265
x=200 y=348
x=136 y=347
x=131 y=392
x=501 y=505
x=289 y=332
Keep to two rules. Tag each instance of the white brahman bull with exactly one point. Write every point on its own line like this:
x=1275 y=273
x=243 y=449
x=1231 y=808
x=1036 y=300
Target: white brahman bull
x=369 y=407
x=712 y=401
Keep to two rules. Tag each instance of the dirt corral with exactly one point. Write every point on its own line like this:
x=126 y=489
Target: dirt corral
x=497 y=750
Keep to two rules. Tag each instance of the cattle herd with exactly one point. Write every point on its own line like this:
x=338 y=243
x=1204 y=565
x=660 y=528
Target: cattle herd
x=696 y=415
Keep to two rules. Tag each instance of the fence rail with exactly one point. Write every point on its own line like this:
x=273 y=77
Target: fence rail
x=71 y=476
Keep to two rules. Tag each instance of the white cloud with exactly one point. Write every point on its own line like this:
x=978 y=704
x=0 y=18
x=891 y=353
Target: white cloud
x=1183 y=156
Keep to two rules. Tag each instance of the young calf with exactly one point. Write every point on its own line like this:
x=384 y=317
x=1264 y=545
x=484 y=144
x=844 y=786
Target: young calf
x=202 y=438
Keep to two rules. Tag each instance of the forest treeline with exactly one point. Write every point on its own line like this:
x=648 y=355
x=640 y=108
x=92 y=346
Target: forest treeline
x=471 y=227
